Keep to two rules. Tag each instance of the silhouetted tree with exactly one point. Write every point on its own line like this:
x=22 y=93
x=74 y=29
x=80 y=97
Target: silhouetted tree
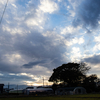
x=90 y=82
x=70 y=73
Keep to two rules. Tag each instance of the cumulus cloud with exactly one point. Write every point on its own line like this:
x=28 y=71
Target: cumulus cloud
x=48 y=6
x=97 y=43
x=79 y=41
x=69 y=30
x=97 y=39
x=75 y=54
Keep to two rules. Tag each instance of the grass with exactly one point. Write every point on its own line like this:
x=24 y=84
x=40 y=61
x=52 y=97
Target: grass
x=67 y=97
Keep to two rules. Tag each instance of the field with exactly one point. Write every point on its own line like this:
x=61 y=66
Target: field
x=67 y=97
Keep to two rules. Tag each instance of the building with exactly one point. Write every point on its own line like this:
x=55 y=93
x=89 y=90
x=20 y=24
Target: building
x=38 y=90
x=1 y=88
x=70 y=90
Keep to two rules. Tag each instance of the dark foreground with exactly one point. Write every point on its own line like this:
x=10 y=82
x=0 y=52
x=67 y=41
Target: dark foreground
x=64 y=97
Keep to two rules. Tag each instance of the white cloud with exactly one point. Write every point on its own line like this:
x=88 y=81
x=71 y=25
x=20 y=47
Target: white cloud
x=75 y=54
x=67 y=43
x=75 y=50
x=59 y=0
x=42 y=72
x=13 y=58
x=32 y=22
x=73 y=32
x=14 y=5
x=69 y=30
x=99 y=22
x=73 y=41
x=14 y=30
x=95 y=69
x=1 y=74
x=2 y=1
x=60 y=39
x=48 y=6
x=78 y=40
x=97 y=45
x=81 y=40
x=57 y=39
x=21 y=22
x=37 y=19
x=97 y=39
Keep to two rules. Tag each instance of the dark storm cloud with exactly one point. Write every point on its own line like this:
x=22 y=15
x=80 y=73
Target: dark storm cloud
x=6 y=47
x=35 y=45
x=8 y=67
x=87 y=13
x=15 y=78
x=31 y=64
x=93 y=60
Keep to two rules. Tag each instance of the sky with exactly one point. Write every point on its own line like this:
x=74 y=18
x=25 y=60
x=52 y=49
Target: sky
x=37 y=36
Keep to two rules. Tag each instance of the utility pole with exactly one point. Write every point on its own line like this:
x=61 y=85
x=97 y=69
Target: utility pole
x=8 y=87
x=43 y=81
x=17 y=89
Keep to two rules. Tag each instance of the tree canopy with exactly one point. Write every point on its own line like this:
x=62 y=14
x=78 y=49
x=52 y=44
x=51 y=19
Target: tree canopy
x=70 y=73
x=92 y=78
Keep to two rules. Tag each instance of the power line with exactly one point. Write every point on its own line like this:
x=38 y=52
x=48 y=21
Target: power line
x=4 y=11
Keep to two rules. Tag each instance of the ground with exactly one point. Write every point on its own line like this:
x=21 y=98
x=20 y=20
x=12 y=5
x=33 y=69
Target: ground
x=66 y=97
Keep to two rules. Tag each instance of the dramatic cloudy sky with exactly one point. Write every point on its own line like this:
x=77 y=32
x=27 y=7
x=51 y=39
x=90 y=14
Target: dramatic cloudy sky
x=37 y=36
